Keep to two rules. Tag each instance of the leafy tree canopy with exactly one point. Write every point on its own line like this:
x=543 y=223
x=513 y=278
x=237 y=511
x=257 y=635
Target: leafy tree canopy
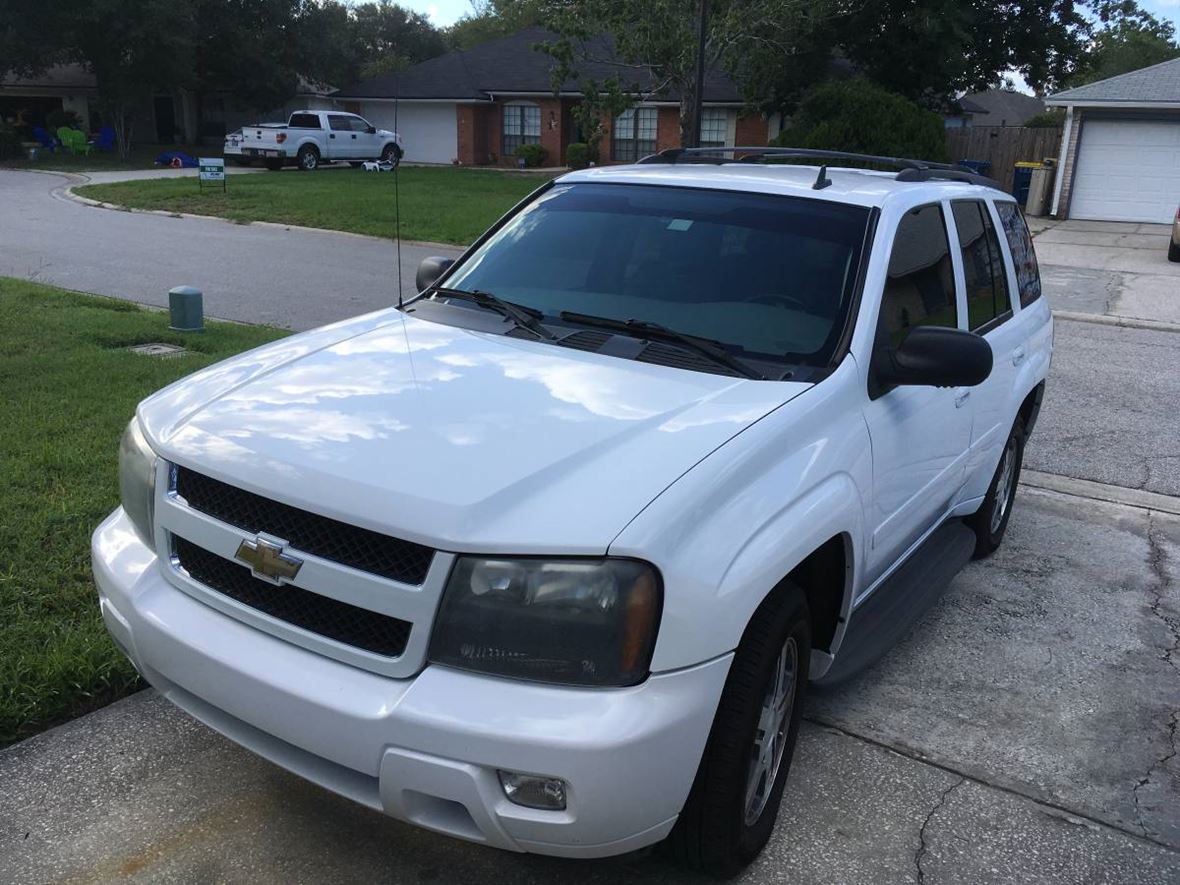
x=1127 y=38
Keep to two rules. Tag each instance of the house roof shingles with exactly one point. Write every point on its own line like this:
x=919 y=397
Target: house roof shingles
x=1157 y=84
x=511 y=64
x=1001 y=107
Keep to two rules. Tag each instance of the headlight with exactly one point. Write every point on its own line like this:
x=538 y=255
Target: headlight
x=573 y=621
x=137 y=480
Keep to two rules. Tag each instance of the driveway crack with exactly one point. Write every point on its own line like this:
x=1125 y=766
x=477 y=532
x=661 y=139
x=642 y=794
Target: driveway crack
x=922 y=846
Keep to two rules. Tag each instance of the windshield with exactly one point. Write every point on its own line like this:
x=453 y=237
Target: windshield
x=768 y=275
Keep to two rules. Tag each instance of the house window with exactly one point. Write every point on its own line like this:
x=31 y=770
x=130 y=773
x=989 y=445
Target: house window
x=714 y=127
x=634 y=134
x=522 y=125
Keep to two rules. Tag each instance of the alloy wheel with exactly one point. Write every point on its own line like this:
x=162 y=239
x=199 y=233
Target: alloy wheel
x=770 y=736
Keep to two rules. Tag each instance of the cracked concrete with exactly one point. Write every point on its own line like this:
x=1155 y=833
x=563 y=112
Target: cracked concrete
x=922 y=846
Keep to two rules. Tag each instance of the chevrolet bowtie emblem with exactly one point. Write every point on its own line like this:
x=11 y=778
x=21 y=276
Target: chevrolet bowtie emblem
x=267 y=560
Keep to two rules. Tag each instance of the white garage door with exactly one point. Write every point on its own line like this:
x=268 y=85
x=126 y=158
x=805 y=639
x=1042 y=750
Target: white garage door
x=428 y=130
x=1127 y=171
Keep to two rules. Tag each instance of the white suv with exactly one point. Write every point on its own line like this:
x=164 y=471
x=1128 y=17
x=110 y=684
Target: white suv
x=546 y=558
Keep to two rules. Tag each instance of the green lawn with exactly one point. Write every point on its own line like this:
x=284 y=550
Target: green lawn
x=142 y=156
x=69 y=387
x=443 y=205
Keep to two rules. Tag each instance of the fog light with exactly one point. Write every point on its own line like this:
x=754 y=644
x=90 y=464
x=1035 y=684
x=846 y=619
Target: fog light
x=533 y=791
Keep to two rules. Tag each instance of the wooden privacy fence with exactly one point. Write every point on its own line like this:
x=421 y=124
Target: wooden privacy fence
x=1002 y=146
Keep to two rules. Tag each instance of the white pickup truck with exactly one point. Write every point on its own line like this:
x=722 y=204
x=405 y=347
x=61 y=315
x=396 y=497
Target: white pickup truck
x=309 y=138
x=547 y=558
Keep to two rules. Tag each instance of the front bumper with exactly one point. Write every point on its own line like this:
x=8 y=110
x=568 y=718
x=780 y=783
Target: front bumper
x=424 y=750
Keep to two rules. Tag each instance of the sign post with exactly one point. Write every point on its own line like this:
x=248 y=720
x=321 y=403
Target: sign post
x=211 y=170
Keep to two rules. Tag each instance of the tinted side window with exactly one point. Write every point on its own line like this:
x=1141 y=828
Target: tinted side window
x=983 y=266
x=1028 y=277
x=304 y=121
x=358 y=125
x=339 y=123
x=920 y=289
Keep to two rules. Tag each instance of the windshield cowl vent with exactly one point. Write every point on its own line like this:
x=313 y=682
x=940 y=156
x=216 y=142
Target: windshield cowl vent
x=670 y=355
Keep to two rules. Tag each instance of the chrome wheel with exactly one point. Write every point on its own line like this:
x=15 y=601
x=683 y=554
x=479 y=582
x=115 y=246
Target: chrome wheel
x=309 y=160
x=1004 y=486
x=770 y=735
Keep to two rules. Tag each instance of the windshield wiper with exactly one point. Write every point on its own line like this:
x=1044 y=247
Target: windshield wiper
x=524 y=317
x=706 y=347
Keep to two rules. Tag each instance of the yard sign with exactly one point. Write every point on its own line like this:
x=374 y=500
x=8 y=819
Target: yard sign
x=212 y=170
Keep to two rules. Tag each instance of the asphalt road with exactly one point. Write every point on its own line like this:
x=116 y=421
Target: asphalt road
x=257 y=273
x=1023 y=732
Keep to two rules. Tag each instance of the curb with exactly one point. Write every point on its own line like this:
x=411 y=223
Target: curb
x=1099 y=491
x=1100 y=319
x=67 y=192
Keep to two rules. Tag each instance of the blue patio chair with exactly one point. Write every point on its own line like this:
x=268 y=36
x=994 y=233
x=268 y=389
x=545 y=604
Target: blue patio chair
x=105 y=140
x=47 y=141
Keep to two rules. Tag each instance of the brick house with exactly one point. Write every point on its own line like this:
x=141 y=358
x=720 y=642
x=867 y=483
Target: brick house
x=475 y=107
x=1120 y=147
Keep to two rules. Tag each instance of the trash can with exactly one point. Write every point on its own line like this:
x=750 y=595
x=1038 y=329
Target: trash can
x=186 y=309
x=979 y=167
x=1021 y=179
x=1040 y=186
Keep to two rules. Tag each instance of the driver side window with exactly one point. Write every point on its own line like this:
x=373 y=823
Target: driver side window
x=920 y=288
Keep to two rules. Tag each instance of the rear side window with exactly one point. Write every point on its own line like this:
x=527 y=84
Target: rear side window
x=920 y=289
x=983 y=267
x=304 y=121
x=1028 y=278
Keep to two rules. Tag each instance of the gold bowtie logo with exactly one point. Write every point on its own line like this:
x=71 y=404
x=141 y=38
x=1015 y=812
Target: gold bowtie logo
x=267 y=560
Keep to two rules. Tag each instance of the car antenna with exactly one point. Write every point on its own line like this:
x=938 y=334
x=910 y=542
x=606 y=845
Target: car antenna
x=397 y=206
x=821 y=180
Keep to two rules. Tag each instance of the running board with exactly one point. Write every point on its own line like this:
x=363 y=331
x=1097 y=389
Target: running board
x=887 y=616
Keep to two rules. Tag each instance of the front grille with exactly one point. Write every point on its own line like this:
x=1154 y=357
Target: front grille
x=318 y=614
x=340 y=542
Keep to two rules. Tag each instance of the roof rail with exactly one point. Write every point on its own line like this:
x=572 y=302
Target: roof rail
x=910 y=170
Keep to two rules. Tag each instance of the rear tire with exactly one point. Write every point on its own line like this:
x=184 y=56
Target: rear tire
x=308 y=159
x=734 y=801
x=990 y=521
x=1173 y=252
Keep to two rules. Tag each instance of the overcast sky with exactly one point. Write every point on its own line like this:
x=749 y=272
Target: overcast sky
x=445 y=12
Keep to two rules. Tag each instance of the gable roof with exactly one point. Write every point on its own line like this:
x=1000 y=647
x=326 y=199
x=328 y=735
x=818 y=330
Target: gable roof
x=511 y=65
x=1001 y=107
x=1154 y=85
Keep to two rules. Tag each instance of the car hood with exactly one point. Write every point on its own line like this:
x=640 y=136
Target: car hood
x=459 y=439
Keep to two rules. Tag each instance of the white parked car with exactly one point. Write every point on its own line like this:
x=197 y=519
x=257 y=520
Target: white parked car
x=309 y=138
x=547 y=558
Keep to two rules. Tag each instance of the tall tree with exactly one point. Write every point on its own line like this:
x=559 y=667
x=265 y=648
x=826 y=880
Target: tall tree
x=246 y=50
x=389 y=37
x=490 y=19
x=1127 y=37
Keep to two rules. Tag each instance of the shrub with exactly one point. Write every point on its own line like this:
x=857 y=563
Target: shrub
x=9 y=141
x=532 y=154
x=859 y=116
x=1052 y=119
x=54 y=120
x=577 y=155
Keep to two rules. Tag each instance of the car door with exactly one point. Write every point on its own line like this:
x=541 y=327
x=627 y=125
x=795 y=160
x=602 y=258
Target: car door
x=341 y=137
x=920 y=436
x=364 y=143
x=990 y=313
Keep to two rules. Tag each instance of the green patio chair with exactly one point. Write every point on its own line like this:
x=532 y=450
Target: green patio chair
x=73 y=140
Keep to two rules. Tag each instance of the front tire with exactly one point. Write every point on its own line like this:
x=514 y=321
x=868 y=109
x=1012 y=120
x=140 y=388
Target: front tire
x=308 y=158
x=1173 y=252
x=391 y=153
x=734 y=801
x=990 y=521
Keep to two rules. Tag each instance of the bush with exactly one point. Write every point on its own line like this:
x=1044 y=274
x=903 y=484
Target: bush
x=532 y=154
x=577 y=155
x=860 y=116
x=9 y=141
x=1053 y=119
x=54 y=120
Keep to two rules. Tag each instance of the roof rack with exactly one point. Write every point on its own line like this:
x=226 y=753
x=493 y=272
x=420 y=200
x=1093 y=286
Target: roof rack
x=909 y=170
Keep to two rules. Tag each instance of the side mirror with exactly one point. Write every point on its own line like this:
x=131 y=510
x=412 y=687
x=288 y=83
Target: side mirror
x=372 y=130
x=430 y=270
x=934 y=356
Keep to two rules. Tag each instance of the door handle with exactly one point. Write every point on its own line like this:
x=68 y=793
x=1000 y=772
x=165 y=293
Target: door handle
x=1018 y=356
x=333 y=135
x=961 y=398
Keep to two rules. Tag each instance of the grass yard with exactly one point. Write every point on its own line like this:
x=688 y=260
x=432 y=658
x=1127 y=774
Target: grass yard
x=69 y=387
x=438 y=204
